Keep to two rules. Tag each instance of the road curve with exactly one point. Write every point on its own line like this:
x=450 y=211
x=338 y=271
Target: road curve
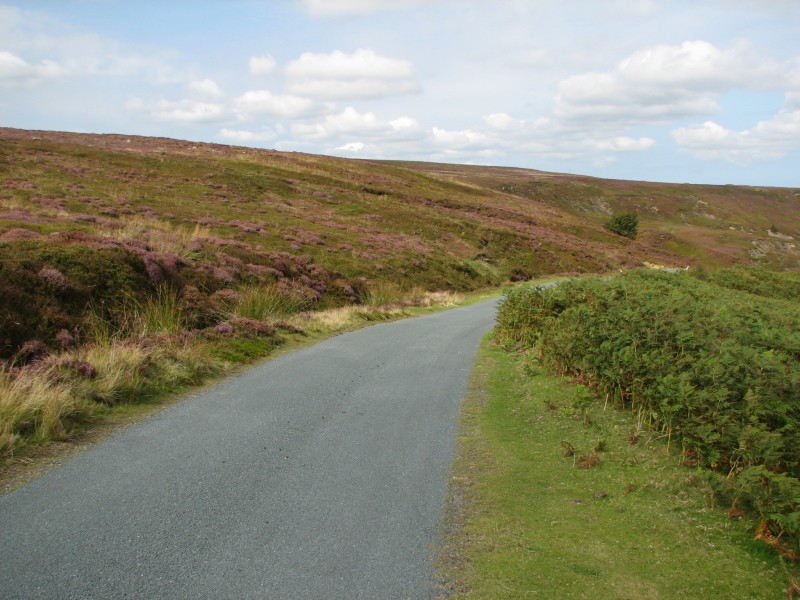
x=320 y=474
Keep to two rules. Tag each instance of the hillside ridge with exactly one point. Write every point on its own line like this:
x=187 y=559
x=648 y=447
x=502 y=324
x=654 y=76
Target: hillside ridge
x=88 y=218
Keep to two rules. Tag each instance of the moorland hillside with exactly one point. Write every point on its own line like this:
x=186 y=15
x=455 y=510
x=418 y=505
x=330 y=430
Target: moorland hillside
x=87 y=220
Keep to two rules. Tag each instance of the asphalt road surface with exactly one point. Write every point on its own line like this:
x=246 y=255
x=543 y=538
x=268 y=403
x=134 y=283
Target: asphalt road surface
x=321 y=474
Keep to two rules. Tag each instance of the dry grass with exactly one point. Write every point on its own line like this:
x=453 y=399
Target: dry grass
x=53 y=398
x=333 y=319
x=444 y=299
x=121 y=368
x=162 y=237
x=32 y=405
x=46 y=400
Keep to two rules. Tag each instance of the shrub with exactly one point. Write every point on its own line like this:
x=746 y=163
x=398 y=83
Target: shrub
x=625 y=224
x=714 y=369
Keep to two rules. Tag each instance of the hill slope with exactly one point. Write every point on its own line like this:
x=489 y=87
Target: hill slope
x=716 y=225
x=87 y=219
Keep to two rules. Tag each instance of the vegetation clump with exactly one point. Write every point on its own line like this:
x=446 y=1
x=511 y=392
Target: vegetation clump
x=534 y=517
x=710 y=366
x=625 y=224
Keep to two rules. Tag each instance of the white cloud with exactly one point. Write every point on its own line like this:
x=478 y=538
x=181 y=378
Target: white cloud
x=551 y=139
x=512 y=128
x=503 y=122
x=16 y=71
x=663 y=83
x=404 y=124
x=262 y=65
x=626 y=144
x=353 y=127
x=180 y=111
x=354 y=147
x=190 y=111
x=767 y=140
x=349 y=122
x=242 y=135
x=460 y=140
x=363 y=74
x=288 y=106
x=206 y=89
x=47 y=45
x=338 y=8
x=699 y=65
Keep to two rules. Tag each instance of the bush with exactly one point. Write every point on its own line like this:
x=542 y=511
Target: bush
x=625 y=224
x=715 y=369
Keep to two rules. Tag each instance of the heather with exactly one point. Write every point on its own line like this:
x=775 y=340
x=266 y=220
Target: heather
x=148 y=352
x=86 y=219
x=180 y=259
x=709 y=363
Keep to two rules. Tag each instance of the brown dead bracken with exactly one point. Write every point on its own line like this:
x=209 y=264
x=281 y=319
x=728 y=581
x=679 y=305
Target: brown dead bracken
x=764 y=534
x=588 y=460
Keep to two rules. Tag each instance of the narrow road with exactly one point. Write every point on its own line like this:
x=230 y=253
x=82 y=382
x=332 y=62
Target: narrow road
x=319 y=475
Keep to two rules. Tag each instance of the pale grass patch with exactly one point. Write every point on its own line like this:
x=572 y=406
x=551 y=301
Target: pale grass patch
x=344 y=317
x=161 y=236
x=32 y=404
x=11 y=203
x=332 y=319
x=383 y=293
x=184 y=363
x=120 y=371
x=129 y=372
x=444 y=298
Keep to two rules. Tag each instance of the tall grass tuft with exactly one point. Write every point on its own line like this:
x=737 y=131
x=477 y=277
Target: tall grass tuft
x=264 y=302
x=120 y=368
x=32 y=405
x=381 y=294
x=127 y=372
x=160 y=312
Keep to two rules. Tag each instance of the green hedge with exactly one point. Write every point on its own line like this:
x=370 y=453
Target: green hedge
x=713 y=367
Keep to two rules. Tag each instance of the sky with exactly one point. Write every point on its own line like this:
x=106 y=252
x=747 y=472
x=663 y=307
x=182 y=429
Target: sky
x=696 y=91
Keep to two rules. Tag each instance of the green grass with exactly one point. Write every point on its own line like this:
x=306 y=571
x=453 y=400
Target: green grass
x=526 y=522
x=264 y=302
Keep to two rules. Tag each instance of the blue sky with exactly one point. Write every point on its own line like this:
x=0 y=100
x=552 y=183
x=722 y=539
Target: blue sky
x=681 y=91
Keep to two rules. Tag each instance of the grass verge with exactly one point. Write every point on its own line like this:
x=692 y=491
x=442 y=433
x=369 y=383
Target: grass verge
x=526 y=520
x=61 y=403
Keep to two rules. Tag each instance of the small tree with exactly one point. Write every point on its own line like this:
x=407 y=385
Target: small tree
x=625 y=224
